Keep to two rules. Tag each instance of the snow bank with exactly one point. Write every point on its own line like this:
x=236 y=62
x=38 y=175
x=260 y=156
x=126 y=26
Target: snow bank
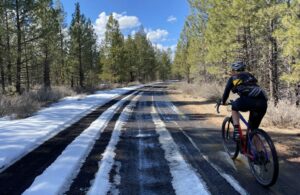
x=58 y=176
x=19 y=137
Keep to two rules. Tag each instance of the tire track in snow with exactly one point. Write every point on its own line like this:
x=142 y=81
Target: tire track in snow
x=101 y=184
x=19 y=176
x=185 y=179
x=144 y=169
x=58 y=176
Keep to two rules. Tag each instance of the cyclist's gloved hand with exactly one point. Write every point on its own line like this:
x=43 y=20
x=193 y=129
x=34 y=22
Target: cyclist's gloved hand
x=219 y=102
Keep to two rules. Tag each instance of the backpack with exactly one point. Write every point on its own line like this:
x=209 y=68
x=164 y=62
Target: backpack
x=245 y=84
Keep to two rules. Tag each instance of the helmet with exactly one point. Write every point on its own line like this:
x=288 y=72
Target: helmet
x=238 y=66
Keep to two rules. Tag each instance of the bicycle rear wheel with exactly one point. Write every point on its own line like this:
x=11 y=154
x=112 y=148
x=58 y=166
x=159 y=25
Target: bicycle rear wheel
x=230 y=146
x=264 y=166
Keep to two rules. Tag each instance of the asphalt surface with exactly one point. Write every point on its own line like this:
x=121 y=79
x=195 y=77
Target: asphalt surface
x=140 y=166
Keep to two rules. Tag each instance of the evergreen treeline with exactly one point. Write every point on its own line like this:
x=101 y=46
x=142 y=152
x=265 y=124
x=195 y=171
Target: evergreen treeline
x=131 y=59
x=37 y=48
x=263 y=34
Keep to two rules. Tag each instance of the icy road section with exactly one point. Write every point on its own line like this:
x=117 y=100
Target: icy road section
x=230 y=179
x=101 y=184
x=19 y=137
x=185 y=179
x=58 y=176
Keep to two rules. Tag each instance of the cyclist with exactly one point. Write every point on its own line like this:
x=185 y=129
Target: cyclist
x=252 y=97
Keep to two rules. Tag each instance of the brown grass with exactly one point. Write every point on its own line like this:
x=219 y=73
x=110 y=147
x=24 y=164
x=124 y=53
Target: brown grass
x=21 y=106
x=29 y=102
x=284 y=115
x=211 y=91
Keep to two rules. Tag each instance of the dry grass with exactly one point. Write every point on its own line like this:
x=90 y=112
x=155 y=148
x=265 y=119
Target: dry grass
x=283 y=115
x=29 y=102
x=211 y=91
x=18 y=106
x=45 y=96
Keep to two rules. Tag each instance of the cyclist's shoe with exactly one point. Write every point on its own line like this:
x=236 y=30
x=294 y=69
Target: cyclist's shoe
x=236 y=134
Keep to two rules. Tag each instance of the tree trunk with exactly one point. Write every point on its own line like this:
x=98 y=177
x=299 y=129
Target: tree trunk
x=47 y=83
x=297 y=90
x=2 y=75
x=19 y=49
x=273 y=66
x=62 y=71
x=26 y=65
x=8 y=53
x=2 y=71
x=81 y=75
x=188 y=75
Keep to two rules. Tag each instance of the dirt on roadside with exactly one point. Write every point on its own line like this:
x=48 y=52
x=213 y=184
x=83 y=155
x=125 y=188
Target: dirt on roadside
x=287 y=141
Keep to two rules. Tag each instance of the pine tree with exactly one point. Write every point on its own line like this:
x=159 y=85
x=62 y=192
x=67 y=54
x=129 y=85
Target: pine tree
x=289 y=41
x=90 y=54
x=60 y=71
x=2 y=47
x=131 y=58
x=49 y=28
x=23 y=11
x=146 y=57
x=164 y=64
x=77 y=32
x=112 y=60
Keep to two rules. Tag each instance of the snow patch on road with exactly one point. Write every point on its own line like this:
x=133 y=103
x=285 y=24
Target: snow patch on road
x=58 y=176
x=230 y=179
x=101 y=183
x=19 y=137
x=185 y=179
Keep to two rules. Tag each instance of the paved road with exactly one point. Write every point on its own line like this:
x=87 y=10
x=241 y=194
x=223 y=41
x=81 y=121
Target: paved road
x=158 y=150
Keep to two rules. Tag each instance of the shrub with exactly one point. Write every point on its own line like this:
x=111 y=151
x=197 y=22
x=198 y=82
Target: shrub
x=284 y=114
x=29 y=102
x=45 y=96
x=211 y=91
x=19 y=106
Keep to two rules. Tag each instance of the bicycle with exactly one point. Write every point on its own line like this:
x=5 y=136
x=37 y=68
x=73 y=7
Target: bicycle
x=256 y=145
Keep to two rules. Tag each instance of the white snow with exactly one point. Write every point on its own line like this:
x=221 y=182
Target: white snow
x=19 y=137
x=101 y=184
x=185 y=179
x=58 y=176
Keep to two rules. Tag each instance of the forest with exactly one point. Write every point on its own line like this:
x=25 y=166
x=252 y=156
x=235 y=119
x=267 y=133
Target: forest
x=38 y=48
x=265 y=34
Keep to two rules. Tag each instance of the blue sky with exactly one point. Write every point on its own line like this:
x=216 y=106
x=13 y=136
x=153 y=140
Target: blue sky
x=162 y=19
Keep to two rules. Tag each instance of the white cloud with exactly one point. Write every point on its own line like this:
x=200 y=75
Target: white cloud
x=165 y=48
x=172 y=19
x=125 y=22
x=156 y=35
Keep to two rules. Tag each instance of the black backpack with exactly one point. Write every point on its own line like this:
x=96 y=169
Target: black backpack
x=245 y=84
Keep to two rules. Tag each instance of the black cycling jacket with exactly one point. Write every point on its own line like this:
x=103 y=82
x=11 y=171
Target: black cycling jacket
x=227 y=90
x=244 y=84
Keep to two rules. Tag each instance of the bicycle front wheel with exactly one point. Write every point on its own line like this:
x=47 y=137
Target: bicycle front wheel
x=264 y=164
x=230 y=146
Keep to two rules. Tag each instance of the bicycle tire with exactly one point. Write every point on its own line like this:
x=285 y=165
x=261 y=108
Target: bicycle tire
x=262 y=161
x=230 y=146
